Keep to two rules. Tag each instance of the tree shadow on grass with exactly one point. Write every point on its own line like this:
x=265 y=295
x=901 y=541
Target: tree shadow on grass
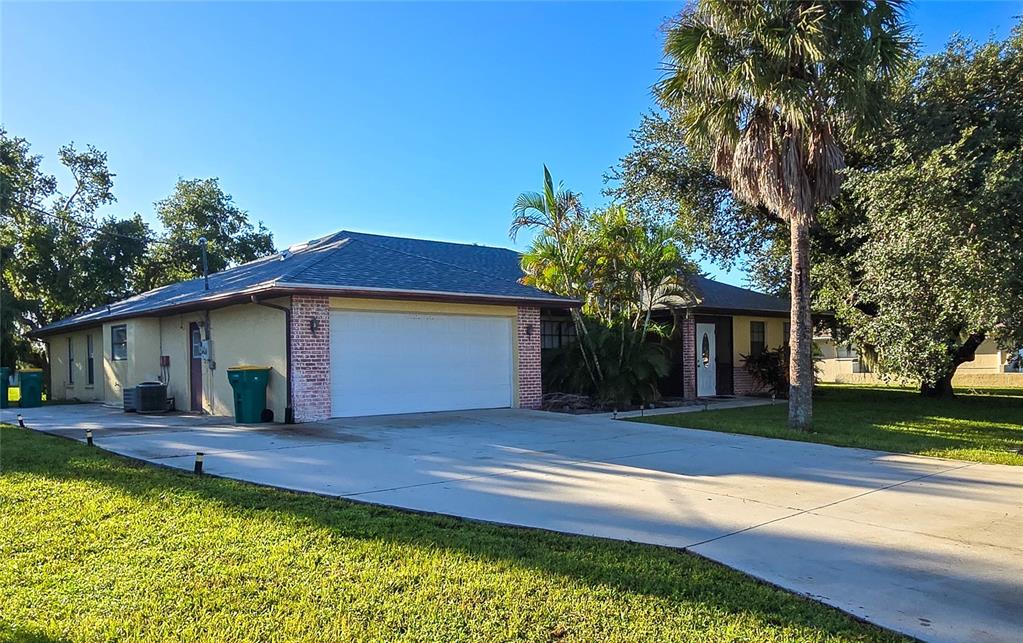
x=679 y=578
x=886 y=419
x=17 y=634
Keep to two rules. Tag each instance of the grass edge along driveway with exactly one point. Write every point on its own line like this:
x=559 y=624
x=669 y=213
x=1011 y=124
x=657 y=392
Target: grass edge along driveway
x=984 y=425
x=94 y=546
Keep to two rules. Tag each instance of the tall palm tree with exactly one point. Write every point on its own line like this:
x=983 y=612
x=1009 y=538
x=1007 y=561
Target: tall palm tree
x=556 y=260
x=762 y=87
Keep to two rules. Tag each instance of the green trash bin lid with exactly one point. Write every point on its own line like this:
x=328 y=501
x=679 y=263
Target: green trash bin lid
x=249 y=368
x=30 y=370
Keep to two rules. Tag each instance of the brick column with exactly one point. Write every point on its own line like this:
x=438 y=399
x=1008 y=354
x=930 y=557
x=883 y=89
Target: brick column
x=528 y=332
x=689 y=358
x=310 y=358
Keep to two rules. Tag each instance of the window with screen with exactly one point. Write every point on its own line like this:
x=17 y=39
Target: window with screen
x=556 y=333
x=90 y=364
x=70 y=361
x=786 y=331
x=757 y=338
x=119 y=342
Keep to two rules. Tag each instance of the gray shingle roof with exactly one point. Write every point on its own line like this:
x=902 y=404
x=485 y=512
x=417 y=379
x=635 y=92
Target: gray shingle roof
x=343 y=261
x=360 y=262
x=718 y=296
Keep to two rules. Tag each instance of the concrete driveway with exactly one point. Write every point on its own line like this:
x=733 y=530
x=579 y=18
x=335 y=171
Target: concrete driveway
x=929 y=547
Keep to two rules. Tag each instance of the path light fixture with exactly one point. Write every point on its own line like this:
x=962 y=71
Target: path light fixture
x=198 y=463
x=21 y=421
x=88 y=437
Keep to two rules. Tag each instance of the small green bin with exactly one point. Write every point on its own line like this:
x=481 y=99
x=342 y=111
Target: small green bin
x=31 y=382
x=249 y=384
x=5 y=375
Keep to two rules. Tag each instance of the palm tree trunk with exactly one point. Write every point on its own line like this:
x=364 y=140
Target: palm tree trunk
x=801 y=327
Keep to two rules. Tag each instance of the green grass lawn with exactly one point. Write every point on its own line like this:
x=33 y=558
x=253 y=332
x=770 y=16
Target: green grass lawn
x=95 y=547
x=983 y=425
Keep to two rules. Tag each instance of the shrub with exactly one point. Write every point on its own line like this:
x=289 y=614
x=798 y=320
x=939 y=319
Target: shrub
x=630 y=366
x=770 y=370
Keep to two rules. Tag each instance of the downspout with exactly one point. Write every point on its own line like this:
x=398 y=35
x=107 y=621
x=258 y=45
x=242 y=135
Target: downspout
x=289 y=408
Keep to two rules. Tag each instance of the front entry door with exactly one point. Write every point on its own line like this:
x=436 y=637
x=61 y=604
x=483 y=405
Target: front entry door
x=706 y=360
x=195 y=367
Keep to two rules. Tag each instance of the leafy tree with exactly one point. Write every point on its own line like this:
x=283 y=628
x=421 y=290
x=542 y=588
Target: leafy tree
x=761 y=89
x=46 y=241
x=936 y=267
x=199 y=208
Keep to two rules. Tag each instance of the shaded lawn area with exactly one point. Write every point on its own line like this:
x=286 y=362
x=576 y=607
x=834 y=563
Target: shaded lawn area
x=93 y=547
x=978 y=425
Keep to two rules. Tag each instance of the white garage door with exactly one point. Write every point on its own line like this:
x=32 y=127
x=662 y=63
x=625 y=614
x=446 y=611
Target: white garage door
x=408 y=362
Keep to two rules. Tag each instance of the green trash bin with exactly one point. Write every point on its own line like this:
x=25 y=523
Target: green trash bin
x=5 y=375
x=249 y=384
x=31 y=382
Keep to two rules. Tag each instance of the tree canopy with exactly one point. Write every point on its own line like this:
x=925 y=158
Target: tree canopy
x=199 y=208
x=937 y=268
x=60 y=258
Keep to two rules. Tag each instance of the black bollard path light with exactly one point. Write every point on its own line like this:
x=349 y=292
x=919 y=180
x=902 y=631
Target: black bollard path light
x=198 y=462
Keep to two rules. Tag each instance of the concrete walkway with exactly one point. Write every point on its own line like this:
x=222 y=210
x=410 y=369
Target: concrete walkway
x=929 y=547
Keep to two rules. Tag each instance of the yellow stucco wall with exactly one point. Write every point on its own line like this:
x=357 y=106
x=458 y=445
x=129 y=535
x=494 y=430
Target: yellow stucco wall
x=243 y=334
x=774 y=334
x=252 y=335
x=988 y=359
x=61 y=387
x=246 y=334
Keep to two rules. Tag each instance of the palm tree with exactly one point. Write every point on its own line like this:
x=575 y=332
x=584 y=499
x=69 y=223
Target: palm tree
x=556 y=261
x=762 y=87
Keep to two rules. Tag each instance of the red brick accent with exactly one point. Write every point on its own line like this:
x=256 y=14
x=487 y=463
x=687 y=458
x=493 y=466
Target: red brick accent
x=689 y=358
x=528 y=332
x=743 y=383
x=310 y=358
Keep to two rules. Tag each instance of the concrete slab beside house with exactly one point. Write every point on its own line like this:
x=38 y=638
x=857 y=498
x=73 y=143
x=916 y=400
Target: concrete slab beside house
x=356 y=324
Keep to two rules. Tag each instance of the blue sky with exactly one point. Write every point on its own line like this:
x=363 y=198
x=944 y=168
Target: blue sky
x=422 y=119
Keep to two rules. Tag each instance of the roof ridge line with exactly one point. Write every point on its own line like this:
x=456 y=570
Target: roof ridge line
x=287 y=275
x=449 y=243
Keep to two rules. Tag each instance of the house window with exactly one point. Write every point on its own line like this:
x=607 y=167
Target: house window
x=90 y=364
x=70 y=361
x=556 y=333
x=786 y=330
x=844 y=351
x=196 y=344
x=757 y=341
x=119 y=342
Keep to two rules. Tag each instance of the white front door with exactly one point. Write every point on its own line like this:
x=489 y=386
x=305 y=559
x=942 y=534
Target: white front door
x=706 y=361
x=382 y=363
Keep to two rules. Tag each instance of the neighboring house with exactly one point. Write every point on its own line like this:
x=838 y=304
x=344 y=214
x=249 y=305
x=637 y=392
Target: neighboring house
x=990 y=365
x=351 y=324
x=712 y=331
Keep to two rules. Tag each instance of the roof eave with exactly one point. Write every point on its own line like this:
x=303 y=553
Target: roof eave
x=426 y=295
x=214 y=301
x=284 y=289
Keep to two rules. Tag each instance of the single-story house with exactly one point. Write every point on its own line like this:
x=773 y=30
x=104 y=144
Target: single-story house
x=360 y=324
